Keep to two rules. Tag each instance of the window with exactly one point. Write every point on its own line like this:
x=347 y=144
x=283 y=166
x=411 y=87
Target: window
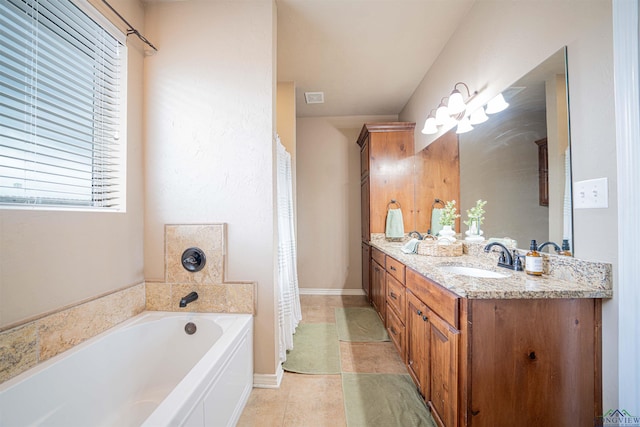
x=62 y=97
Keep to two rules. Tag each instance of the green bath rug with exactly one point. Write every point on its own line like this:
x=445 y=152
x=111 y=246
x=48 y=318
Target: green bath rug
x=315 y=350
x=360 y=324
x=383 y=400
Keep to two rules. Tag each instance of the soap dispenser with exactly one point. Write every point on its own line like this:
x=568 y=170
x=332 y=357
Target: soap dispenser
x=533 y=260
x=566 y=251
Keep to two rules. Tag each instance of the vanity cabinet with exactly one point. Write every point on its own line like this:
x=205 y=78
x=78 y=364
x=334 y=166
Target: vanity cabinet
x=378 y=279
x=386 y=173
x=366 y=270
x=396 y=304
x=417 y=349
x=495 y=362
x=432 y=352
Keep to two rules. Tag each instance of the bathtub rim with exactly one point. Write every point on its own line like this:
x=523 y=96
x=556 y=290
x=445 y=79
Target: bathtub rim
x=138 y=318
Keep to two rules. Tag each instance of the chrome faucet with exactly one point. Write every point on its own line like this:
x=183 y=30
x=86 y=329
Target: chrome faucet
x=506 y=260
x=188 y=298
x=555 y=246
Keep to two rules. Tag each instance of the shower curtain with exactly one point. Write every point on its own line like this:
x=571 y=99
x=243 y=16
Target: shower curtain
x=289 y=313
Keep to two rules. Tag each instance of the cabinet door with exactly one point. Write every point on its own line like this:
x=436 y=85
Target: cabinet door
x=366 y=268
x=365 y=214
x=364 y=159
x=417 y=334
x=443 y=370
x=378 y=289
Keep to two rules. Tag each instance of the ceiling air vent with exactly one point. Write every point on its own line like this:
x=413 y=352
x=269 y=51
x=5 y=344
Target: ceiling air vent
x=314 y=97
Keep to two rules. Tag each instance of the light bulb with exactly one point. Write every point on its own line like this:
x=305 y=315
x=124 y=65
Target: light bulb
x=464 y=125
x=430 y=126
x=496 y=105
x=478 y=117
x=456 y=104
x=442 y=114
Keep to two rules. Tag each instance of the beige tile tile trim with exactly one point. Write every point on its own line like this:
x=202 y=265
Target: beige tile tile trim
x=214 y=293
x=30 y=343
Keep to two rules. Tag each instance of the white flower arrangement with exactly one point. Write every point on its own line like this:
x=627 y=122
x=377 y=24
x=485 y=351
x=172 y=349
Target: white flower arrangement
x=449 y=214
x=476 y=213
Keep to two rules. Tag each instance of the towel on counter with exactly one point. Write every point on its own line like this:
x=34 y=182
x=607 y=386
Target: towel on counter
x=411 y=247
x=436 y=213
x=395 y=224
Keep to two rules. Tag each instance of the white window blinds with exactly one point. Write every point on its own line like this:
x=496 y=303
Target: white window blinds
x=61 y=107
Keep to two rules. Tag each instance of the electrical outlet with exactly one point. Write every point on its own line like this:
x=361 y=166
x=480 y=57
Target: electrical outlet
x=591 y=193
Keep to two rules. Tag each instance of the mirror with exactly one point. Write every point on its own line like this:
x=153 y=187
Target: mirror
x=519 y=161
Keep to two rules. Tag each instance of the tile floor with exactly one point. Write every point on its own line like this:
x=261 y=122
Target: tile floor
x=317 y=400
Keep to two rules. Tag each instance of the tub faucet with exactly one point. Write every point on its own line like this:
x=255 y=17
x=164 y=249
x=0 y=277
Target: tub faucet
x=506 y=260
x=555 y=246
x=188 y=298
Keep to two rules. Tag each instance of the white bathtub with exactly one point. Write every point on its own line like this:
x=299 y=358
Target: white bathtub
x=145 y=372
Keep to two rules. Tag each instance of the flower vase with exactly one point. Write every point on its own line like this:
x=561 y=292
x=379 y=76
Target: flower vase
x=474 y=234
x=447 y=234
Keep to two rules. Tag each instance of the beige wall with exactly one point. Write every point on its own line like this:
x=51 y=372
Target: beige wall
x=328 y=194
x=52 y=259
x=209 y=140
x=500 y=41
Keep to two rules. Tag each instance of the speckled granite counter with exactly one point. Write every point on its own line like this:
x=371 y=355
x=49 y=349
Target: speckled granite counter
x=566 y=277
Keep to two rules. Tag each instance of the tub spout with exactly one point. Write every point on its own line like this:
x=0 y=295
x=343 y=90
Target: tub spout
x=188 y=298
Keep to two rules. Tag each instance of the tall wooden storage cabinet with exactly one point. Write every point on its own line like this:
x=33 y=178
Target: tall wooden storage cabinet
x=386 y=166
x=386 y=173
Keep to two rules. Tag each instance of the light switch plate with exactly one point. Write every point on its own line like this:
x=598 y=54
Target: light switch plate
x=591 y=193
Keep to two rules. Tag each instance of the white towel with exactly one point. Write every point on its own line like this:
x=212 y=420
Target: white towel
x=395 y=224
x=411 y=247
x=436 y=213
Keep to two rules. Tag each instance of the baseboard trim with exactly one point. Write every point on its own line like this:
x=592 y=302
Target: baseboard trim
x=320 y=291
x=268 y=380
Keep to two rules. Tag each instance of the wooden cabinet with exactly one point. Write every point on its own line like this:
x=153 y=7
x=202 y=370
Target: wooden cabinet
x=537 y=361
x=386 y=166
x=433 y=312
x=378 y=277
x=366 y=270
x=488 y=363
x=396 y=305
x=442 y=347
x=417 y=334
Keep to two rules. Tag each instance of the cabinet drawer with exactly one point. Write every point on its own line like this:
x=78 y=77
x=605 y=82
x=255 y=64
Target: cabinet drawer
x=396 y=297
x=378 y=256
x=440 y=300
x=396 y=269
x=396 y=332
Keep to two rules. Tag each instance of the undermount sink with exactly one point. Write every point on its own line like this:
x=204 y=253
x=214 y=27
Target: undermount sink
x=472 y=271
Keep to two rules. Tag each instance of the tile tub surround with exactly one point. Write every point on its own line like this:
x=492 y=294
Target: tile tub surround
x=214 y=294
x=24 y=346
x=564 y=277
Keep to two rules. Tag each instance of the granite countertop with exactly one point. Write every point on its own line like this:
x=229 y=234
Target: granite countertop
x=565 y=277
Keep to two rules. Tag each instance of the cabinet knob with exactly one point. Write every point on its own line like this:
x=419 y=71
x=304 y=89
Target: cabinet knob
x=392 y=268
x=392 y=295
x=419 y=312
x=393 y=331
x=425 y=318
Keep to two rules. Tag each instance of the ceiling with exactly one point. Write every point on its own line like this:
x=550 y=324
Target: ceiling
x=367 y=56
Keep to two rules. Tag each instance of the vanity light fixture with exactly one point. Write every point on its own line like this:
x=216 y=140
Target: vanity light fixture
x=452 y=110
x=464 y=125
x=430 y=126
x=497 y=104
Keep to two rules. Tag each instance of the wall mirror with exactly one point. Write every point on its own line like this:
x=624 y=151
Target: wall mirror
x=519 y=161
